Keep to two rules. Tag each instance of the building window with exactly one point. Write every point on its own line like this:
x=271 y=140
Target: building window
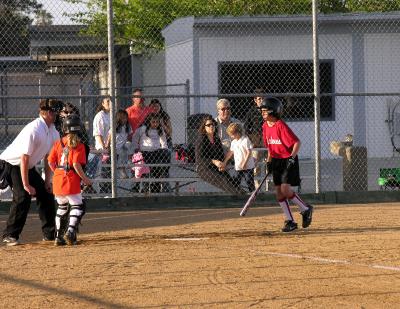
x=278 y=77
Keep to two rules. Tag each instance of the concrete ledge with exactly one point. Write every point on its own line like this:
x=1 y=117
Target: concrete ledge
x=224 y=201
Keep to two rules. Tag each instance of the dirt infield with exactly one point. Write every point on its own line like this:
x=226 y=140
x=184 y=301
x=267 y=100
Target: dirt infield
x=348 y=258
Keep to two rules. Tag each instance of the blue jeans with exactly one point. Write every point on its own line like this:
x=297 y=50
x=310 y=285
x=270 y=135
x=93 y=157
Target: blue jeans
x=92 y=164
x=248 y=176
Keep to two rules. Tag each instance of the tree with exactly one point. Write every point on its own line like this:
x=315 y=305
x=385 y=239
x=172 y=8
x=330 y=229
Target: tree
x=141 y=21
x=43 y=18
x=14 y=21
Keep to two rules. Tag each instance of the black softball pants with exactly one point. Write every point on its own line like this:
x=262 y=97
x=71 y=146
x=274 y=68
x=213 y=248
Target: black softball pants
x=22 y=201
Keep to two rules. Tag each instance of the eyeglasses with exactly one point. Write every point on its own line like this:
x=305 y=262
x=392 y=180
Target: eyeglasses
x=210 y=125
x=67 y=112
x=225 y=109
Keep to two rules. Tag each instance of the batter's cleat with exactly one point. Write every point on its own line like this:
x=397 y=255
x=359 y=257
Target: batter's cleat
x=10 y=241
x=70 y=238
x=307 y=216
x=59 y=241
x=289 y=226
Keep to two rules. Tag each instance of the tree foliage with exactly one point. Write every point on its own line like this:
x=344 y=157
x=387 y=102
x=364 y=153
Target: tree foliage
x=141 y=21
x=15 y=17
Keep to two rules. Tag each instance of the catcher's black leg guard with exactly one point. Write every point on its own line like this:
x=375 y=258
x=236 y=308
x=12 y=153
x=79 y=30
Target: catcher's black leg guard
x=62 y=218
x=75 y=216
x=83 y=208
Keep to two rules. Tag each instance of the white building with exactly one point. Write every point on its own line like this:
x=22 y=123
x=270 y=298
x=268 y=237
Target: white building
x=359 y=52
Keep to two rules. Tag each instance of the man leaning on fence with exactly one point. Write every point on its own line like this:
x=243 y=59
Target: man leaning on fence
x=253 y=128
x=31 y=145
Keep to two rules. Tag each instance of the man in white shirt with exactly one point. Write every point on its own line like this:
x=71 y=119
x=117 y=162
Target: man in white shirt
x=32 y=145
x=224 y=119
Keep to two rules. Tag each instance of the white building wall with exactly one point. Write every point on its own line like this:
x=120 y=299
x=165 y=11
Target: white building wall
x=154 y=73
x=282 y=48
x=382 y=74
x=178 y=68
x=32 y=84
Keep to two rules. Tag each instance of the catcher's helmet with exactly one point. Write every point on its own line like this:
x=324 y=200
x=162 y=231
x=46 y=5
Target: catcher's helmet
x=71 y=124
x=273 y=105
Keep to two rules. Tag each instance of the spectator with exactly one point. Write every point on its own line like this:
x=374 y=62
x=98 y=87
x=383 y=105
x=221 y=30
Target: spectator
x=253 y=129
x=30 y=146
x=223 y=120
x=101 y=124
x=101 y=127
x=210 y=157
x=137 y=112
x=165 y=121
x=122 y=141
x=241 y=151
x=152 y=142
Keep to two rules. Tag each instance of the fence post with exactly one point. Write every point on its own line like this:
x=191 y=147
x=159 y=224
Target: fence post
x=4 y=101
x=40 y=87
x=187 y=92
x=317 y=133
x=111 y=93
x=81 y=106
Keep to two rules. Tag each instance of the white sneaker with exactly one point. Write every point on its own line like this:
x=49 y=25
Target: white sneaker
x=10 y=241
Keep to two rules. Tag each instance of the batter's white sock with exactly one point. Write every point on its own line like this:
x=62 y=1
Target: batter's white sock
x=286 y=209
x=299 y=202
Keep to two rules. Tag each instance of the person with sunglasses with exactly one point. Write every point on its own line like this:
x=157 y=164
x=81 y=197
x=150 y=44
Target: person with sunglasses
x=210 y=156
x=224 y=119
x=30 y=146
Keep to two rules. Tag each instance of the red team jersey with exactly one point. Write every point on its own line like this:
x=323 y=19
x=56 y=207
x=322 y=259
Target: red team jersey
x=279 y=139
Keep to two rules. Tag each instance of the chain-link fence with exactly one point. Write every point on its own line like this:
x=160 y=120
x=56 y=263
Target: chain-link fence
x=175 y=60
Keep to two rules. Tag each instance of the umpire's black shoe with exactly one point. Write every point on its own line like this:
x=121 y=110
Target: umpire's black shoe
x=307 y=216
x=289 y=226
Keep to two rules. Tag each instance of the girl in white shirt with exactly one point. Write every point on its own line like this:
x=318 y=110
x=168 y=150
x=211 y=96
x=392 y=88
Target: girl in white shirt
x=101 y=124
x=101 y=127
x=151 y=140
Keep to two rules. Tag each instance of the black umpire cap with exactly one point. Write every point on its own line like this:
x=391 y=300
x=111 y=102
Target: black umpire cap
x=53 y=105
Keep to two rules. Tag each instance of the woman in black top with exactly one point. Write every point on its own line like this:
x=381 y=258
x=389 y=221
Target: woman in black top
x=209 y=158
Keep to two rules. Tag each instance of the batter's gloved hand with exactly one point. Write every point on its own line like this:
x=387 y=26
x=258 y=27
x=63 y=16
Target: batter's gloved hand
x=269 y=167
x=290 y=162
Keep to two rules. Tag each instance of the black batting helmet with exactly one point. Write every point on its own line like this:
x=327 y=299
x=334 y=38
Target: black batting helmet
x=273 y=105
x=71 y=124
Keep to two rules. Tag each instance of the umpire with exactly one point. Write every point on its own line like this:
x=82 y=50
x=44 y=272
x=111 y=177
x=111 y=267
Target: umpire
x=32 y=145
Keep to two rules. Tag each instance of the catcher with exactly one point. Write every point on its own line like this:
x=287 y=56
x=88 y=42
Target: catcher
x=66 y=159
